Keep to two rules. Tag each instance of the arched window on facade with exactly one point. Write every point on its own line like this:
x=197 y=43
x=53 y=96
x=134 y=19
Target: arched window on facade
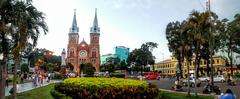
x=94 y=53
x=71 y=52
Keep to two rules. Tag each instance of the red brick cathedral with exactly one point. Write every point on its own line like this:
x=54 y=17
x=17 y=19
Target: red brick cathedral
x=79 y=53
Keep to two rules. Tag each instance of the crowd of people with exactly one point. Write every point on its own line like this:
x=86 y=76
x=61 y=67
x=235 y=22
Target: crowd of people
x=39 y=78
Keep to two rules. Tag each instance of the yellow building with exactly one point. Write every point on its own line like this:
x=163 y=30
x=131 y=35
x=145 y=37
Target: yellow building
x=169 y=66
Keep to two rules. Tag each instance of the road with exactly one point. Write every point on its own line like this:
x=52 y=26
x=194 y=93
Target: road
x=166 y=83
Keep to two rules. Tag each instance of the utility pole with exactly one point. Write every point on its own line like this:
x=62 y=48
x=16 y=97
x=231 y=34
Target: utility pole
x=211 y=44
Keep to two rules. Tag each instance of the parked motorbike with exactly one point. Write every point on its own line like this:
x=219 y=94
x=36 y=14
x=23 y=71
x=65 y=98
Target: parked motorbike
x=177 y=88
x=209 y=88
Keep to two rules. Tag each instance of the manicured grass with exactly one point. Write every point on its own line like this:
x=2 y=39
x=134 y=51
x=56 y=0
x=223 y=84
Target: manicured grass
x=38 y=93
x=171 y=95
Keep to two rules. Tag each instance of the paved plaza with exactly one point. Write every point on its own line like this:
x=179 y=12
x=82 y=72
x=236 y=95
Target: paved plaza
x=27 y=86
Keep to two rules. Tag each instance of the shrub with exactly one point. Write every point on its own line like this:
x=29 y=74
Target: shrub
x=117 y=75
x=57 y=95
x=106 y=88
x=237 y=75
x=58 y=75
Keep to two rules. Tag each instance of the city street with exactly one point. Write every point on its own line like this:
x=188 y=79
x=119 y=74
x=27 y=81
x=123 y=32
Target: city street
x=166 y=83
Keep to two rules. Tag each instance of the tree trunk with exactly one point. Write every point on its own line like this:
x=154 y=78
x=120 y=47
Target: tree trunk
x=153 y=68
x=188 y=78
x=3 y=64
x=208 y=68
x=2 y=85
x=179 y=73
x=1 y=81
x=198 y=66
x=4 y=74
x=15 y=78
x=231 y=62
x=195 y=72
x=212 y=81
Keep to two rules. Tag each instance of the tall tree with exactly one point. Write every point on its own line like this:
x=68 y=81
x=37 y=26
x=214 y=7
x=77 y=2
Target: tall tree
x=5 y=30
x=180 y=44
x=147 y=49
x=176 y=43
x=231 y=39
x=27 y=23
x=142 y=56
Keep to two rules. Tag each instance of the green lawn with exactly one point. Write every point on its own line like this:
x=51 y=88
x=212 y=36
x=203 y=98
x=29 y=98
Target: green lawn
x=38 y=93
x=170 y=95
x=44 y=93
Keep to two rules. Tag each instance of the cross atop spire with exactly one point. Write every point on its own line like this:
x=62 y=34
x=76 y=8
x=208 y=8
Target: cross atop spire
x=95 y=28
x=74 y=28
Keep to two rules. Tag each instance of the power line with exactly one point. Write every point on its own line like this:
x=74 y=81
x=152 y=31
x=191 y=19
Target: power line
x=201 y=4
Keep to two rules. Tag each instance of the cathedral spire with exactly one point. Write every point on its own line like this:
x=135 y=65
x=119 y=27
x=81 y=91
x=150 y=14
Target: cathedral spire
x=74 y=28
x=95 y=28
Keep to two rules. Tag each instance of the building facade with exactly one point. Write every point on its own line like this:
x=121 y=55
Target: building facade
x=80 y=52
x=168 y=67
x=104 y=57
x=122 y=52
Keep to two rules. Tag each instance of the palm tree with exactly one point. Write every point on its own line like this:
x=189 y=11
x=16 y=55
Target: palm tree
x=27 y=22
x=6 y=42
x=199 y=23
x=188 y=46
x=206 y=42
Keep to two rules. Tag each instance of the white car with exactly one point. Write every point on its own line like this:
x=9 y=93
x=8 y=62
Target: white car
x=204 y=78
x=191 y=82
x=219 y=78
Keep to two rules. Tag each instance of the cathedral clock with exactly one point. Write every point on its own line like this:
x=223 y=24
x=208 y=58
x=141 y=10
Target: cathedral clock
x=83 y=53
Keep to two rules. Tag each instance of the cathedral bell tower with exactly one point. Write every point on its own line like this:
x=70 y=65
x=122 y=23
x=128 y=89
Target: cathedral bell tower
x=73 y=40
x=94 y=43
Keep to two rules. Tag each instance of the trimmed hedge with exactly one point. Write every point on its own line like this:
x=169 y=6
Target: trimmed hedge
x=58 y=75
x=117 y=75
x=106 y=88
x=57 y=95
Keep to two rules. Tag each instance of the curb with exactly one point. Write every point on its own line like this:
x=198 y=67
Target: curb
x=183 y=92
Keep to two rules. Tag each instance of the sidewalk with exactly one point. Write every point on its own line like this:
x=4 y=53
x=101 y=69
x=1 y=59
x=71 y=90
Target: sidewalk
x=27 y=86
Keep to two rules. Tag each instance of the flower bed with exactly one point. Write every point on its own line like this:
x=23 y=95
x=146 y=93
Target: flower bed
x=106 y=88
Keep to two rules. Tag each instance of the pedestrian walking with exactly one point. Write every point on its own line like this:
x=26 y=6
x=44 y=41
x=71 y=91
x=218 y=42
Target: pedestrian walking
x=35 y=80
x=6 y=80
x=22 y=78
x=49 y=77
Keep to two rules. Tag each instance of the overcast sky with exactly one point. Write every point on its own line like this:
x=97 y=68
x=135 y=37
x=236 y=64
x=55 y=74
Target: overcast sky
x=127 y=23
